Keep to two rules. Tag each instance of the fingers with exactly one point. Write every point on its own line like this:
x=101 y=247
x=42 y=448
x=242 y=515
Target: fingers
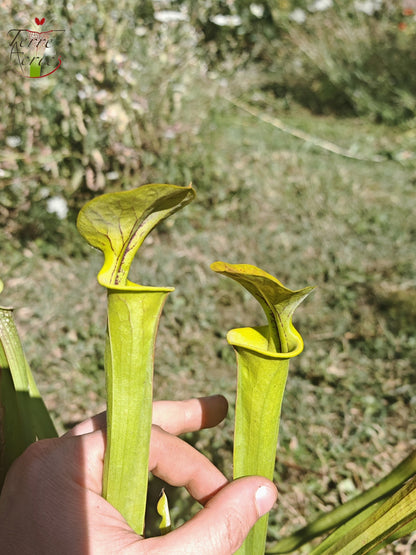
x=81 y=458
x=170 y=458
x=97 y=422
x=179 y=417
x=176 y=417
x=231 y=509
x=222 y=525
x=179 y=464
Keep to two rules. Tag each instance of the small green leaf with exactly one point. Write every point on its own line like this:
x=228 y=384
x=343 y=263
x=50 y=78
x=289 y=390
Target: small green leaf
x=117 y=224
x=162 y=508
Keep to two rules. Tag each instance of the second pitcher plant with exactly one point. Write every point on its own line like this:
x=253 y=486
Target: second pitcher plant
x=263 y=355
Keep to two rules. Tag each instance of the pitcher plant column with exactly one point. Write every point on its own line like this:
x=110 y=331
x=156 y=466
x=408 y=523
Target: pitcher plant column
x=263 y=355
x=117 y=224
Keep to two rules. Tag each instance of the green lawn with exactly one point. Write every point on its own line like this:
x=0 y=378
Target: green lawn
x=302 y=213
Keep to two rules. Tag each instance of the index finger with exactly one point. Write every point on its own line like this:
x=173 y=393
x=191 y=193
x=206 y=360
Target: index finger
x=175 y=417
x=179 y=417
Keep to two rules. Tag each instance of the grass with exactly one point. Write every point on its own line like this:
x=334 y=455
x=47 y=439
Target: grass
x=307 y=216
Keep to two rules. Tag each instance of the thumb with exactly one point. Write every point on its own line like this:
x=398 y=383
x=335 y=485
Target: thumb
x=223 y=524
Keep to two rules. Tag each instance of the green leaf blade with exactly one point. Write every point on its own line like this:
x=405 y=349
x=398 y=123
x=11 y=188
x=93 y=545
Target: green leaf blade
x=24 y=417
x=345 y=513
x=382 y=525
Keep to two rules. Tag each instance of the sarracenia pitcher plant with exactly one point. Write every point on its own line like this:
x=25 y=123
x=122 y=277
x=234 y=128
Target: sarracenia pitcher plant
x=263 y=355
x=117 y=224
x=24 y=417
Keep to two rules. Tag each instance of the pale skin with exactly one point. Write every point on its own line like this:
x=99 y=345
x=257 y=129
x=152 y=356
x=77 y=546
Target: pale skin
x=51 y=500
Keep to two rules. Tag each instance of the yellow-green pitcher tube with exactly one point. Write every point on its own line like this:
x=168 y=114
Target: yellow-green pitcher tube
x=133 y=318
x=261 y=382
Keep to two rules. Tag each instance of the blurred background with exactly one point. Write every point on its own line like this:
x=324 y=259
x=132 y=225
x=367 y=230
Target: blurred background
x=296 y=123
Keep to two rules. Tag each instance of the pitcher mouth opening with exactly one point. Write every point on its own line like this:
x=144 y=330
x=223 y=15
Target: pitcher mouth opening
x=136 y=288
x=257 y=340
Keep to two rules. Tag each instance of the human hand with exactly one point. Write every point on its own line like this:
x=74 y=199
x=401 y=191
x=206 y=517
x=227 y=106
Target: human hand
x=51 y=500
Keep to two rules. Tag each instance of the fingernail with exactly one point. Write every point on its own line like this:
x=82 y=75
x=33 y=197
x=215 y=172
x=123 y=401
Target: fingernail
x=265 y=498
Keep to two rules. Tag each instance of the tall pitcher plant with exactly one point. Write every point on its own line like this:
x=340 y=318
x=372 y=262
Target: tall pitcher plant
x=117 y=224
x=263 y=355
